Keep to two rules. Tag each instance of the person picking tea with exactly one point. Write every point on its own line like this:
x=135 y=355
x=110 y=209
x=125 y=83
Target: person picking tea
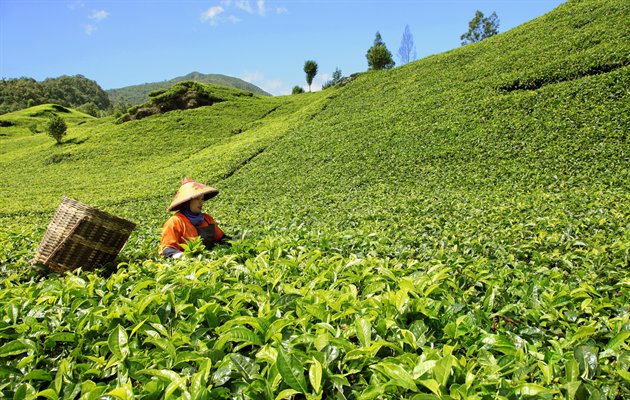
x=189 y=221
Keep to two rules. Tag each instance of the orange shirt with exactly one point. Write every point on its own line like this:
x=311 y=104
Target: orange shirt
x=178 y=229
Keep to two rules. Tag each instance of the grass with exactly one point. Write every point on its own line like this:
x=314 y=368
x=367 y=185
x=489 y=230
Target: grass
x=454 y=228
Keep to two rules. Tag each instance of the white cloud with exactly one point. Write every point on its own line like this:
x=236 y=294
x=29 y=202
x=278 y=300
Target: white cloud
x=99 y=15
x=212 y=14
x=76 y=4
x=281 y=10
x=244 y=5
x=275 y=87
x=88 y=29
x=214 y=17
x=261 y=7
x=252 y=77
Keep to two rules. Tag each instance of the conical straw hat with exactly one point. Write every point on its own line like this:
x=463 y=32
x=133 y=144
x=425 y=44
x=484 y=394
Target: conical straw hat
x=188 y=191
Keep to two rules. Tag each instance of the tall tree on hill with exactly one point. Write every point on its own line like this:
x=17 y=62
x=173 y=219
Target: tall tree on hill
x=378 y=57
x=310 y=68
x=480 y=28
x=407 y=51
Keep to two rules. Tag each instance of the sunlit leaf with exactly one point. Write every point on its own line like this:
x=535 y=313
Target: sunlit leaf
x=397 y=375
x=442 y=370
x=618 y=340
x=117 y=342
x=532 y=389
x=364 y=331
x=586 y=357
x=432 y=385
x=13 y=348
x=315 y=375
x=291 y=370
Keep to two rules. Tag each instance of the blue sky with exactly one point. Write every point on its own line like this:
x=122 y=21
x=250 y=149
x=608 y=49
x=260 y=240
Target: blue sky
x=265 y=42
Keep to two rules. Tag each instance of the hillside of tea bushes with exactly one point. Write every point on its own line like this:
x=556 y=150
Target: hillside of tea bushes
x=456 y=228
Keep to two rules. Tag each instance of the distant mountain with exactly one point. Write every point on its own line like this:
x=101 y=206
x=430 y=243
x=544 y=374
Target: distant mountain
x=69 y=91
x=138 y=94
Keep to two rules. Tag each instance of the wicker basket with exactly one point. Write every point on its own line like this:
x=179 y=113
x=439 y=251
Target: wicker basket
x=81 y=236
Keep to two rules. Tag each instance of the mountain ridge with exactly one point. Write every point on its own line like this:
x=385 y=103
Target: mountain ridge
x=138 y=94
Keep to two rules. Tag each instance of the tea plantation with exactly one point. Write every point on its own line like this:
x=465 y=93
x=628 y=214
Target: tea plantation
x=456 y=228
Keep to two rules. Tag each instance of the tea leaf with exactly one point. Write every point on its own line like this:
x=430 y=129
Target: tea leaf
x=397 y=375
x=291 y=370
x=315 y=375
x=13 y=348
x=117 y=342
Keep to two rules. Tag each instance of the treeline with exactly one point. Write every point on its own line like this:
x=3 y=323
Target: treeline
x=76 y=92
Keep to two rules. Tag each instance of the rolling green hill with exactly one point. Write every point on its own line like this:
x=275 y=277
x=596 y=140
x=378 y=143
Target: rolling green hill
x=138 y=94
x=455 y=228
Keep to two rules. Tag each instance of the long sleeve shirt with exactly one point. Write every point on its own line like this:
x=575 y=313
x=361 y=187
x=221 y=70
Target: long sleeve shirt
x=178 y=229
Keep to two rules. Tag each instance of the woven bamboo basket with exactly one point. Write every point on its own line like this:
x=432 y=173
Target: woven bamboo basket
x=81 y=236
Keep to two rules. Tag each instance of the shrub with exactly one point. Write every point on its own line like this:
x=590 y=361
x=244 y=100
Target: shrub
x=56 y=128
x=297 y=90
x=90 y=109
x=336 y=78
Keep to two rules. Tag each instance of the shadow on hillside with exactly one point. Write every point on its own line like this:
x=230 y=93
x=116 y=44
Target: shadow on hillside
x=73 y=141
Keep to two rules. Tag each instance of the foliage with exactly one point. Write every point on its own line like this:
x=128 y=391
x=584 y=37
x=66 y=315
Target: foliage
x=56 y=128
x=480 y=27
x=68 y=91
x=139 y=94
x=336 y=78
x=310 y=68
x=407 y=50
x=444 y=237
x=297 y=89
x=194 y=247
x=182 y=96
x=90 y=109
x=378 y=56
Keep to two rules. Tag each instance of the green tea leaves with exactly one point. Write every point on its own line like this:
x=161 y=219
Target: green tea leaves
x=586 y=357
x=291 y=370
x=14 y=347
x=117 y=342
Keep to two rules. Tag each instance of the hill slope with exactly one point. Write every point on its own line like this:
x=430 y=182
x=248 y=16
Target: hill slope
x=453 y=228
x=138 y=94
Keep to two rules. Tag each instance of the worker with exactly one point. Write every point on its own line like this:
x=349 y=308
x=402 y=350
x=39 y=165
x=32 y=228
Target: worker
x=189 y=221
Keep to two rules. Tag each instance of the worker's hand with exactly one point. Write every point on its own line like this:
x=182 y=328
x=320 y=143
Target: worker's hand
x=178 y=255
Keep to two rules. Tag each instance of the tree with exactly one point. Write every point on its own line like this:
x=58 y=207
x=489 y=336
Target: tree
x=480 y=28
x=56 y=128
x=90 y=109
x=119 y=109
x=310 y=68
x=407 y=51
x=378 y=56
x=336 y=78
x=297 y=90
